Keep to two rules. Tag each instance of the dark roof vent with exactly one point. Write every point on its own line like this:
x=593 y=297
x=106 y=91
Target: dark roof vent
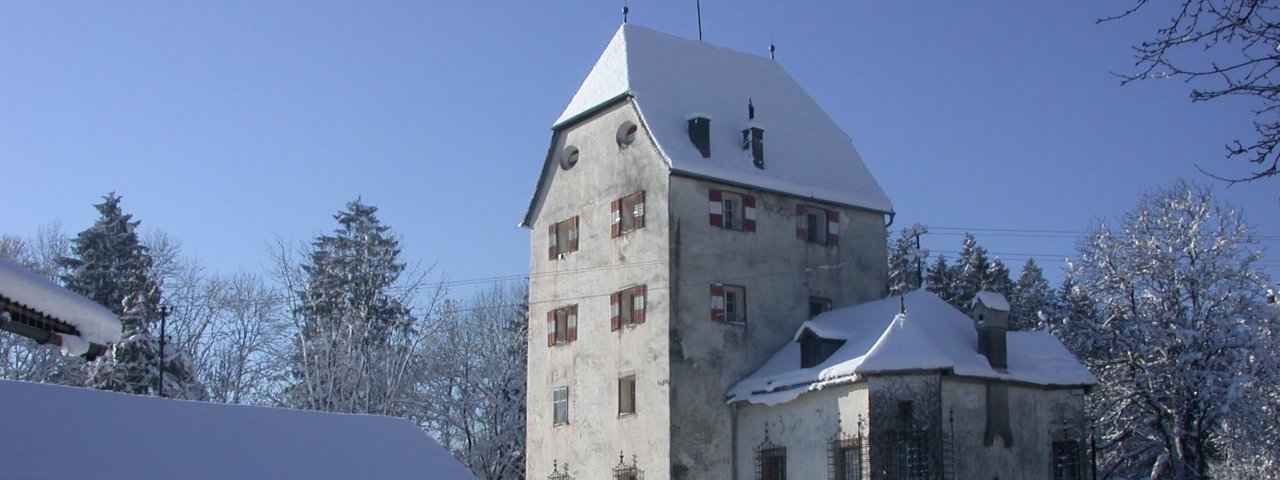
x=700 y=134
x=753 y=139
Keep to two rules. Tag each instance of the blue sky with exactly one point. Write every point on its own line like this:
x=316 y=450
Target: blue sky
x=228 y=124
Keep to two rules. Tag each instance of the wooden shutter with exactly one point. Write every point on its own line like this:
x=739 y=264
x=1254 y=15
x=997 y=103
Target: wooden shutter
x=616 y=228
x=637 y=304
x=749 y=213
x=551 y=328
x=802 y=222
x=552 y=251
x=717 y=302
x=717 y=208
x=638 y=211
x=573 y=234
x=833 y=228
x=615 y=315
x=573 y=323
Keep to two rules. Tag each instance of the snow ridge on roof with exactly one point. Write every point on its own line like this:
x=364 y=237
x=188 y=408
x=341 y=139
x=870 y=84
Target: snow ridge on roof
x=931 y=335
x=806 y=153
x=95 y=323
x=992 y=300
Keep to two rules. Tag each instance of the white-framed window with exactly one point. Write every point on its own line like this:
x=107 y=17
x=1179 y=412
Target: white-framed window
x=628 y=213
x=732 y=210
x=817 y=225
x=627 y=307
x=560 y=406
x=562 y=237
x=627 y=395
x=728 y=303
x=562 y=325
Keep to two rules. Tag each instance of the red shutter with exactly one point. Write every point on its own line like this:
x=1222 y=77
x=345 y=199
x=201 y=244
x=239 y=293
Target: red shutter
x=573 y=234
x=616 y=229
x=833 y=228
x=552 y=251
x=717 y=302
x=573 y=323
x=637 y=304
x=802 y=224
x=615 y=314
x=551 y=328
x=749 y=213
x=717 y=217
x=638 y=212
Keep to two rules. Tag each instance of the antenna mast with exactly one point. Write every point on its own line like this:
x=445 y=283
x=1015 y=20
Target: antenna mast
x=699 y=2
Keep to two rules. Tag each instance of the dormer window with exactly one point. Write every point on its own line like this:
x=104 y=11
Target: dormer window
x=700 y=134
x=814 y=349
x=753 y=140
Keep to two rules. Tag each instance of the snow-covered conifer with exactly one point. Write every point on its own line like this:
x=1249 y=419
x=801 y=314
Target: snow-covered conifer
x=1031 y=298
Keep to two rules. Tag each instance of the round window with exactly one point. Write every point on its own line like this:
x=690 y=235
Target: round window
x=627 y=133
x=569 y=158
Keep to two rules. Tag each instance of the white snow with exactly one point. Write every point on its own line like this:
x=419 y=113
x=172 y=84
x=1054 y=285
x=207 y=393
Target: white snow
x=61 y=432
x=95 y=323
x=992 y=300
x=931 y=335
x=670 y=78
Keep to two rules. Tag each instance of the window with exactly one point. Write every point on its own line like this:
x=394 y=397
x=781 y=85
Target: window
x=1066 y=460
x=910 y=458
x=562 y=325
x=771 y=464
x=569 y=157
x=817 y=305
x=627 y=395
x=817 y=225
x=627 y=134
x=732 y=211
x=728 y=303
x=846 y=460
x=814 y=349
x=560 y=401
x=627 y=306
x=628 y=213
x=562 y=237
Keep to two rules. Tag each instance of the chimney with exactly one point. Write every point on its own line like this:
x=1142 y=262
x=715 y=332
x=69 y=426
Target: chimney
x=753 y=137
x=700 y=133
x=990 y=314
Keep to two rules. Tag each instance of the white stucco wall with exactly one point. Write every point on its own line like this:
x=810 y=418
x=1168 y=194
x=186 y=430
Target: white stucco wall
x=806 y=426
x=591 y=365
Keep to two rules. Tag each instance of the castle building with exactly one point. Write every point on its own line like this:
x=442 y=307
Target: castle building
x=696 y=208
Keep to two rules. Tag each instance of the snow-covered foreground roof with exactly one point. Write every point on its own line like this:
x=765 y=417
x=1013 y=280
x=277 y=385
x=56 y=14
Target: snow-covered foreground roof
x=61 y=432
x=932 y=335
x=95 y=323
x=671 y=78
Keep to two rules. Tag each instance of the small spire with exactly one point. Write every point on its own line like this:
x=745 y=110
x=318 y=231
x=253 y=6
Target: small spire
x=625 y=11
x=772 y=48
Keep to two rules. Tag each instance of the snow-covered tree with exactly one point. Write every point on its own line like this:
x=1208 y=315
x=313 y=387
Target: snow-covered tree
x=358 y=342
x=904 y=272
x=475 y=381
x=940 y=279
x=1182 y=342
x=971 y=272
x=996 y=278
x=1031 y=297
x=110 y=266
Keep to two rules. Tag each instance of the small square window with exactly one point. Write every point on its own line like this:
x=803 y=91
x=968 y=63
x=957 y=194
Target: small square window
x=562 y=237
x=732 y=210
x=816 y=223
x=771 y=464
x=817 y=305
x=560 y=414
x=627 y=395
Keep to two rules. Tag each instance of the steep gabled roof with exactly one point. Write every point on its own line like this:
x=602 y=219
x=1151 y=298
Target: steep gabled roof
x=671 y=78
x=931 y=335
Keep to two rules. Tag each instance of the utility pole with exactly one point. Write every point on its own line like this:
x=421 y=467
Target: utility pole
x=164 y=317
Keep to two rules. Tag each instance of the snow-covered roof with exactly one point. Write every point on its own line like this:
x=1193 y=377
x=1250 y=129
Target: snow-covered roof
x=52 y=431
x=992 y=300
x=932 y=335
x=670 y=78
x=95 y=323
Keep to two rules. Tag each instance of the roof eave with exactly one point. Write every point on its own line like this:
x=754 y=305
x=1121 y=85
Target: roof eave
x=697 y=176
